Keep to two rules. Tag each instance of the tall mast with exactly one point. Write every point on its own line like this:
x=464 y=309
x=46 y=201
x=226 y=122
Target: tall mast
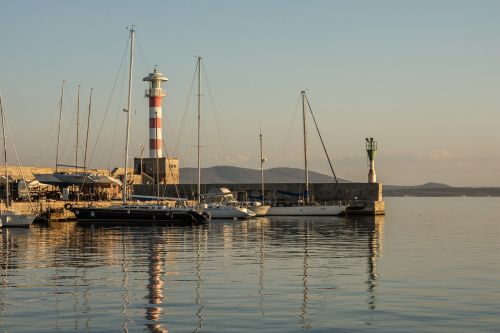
x=77 y=126
x=87 y=135
x=59 y=129
x=132 y=31
x=262 y=160
x=5 y=156
x=199 y=108
x=306 y=171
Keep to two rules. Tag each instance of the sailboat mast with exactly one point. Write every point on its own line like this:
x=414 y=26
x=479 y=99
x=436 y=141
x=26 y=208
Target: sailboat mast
x=261 y=166
x=306 y=170
x=59 y=129
x=129 y=102
x=199 y=109
x=87 y=135
x=77 y=127
x=5 y=156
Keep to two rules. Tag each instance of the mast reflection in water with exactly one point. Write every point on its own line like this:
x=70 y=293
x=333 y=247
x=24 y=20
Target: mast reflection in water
x=284 y=272
x=398 y=273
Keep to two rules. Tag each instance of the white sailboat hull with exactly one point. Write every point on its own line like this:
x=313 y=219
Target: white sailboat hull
x=321 y=210
x=228 y=212
x=11 y=219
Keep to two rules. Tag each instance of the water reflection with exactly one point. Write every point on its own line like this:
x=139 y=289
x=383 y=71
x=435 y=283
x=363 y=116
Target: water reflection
x=261 y=225
x=126 y=292
x=13 y=242
x=303 y=316
x=375 y=225
x=261 y=265
x=155 y=287
x=199 y=280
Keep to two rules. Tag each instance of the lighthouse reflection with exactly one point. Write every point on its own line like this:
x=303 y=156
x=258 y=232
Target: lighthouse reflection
x=263 y=271
x=155 y=295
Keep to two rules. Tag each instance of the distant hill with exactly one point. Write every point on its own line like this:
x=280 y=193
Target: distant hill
x=237 y=175
x=434 y=185
x=439 y=190
x=426 y=186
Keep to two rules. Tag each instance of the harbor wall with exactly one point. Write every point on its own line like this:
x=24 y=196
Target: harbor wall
x=27 y=172
x=53 y=210
x=365 y=198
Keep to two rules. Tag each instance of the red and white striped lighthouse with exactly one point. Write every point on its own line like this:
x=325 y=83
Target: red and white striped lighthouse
x=155 y=94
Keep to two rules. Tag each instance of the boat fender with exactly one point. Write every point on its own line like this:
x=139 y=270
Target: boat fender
x=68 y=206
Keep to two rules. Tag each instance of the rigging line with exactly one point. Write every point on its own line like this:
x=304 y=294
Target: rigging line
x=145 y=64
x=220 y=129
x=59 y=126
x=77 y=126
x=86 y=144
x=109 y=101
x=5 y=155
x=286 y=141
x=87 y=132
x=68 y=133
x=185 y=112
x=170 y=171
x=324 y=148
x=169 y=135
x=17 y=159
x=116 y=122
x=46 y=141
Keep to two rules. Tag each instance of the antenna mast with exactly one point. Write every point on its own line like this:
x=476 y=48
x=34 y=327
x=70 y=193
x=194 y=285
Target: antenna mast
x=129 y=102
x=77 y=127
x=59 y=129
x=5 y=155
x=87 y=135
x=199 y=108
x=306 y=171
x=262 y=160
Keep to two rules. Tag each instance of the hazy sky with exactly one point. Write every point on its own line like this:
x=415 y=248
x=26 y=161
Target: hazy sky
x=421 y=77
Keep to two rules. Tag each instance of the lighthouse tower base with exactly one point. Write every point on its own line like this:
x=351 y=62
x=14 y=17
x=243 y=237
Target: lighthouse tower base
x=160 y=170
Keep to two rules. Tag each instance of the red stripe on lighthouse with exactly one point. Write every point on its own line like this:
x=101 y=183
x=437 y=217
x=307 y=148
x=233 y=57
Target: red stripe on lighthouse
x=155 y=101
x=154 y=143
x=154 y=122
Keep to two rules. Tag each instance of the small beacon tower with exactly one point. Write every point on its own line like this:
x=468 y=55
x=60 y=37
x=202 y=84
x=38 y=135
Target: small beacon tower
x=371 y=150
x=155 y=94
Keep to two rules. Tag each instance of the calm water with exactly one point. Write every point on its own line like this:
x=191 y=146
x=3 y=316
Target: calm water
x=429 y=265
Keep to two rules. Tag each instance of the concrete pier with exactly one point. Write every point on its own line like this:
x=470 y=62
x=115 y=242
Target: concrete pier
x=364 y=198
x=54 y=210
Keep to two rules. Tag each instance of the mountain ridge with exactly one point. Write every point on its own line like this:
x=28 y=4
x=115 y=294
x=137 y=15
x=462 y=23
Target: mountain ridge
x=236 y=175
x=222 y=174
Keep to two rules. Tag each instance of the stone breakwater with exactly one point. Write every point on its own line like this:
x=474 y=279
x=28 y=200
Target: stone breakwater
x=364 y=198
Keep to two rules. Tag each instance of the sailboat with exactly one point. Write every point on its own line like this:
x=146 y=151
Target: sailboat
x=10 y=217
x=260 y=208
x=306 y=207
x=222 y=207
x=137 y=215
x=80 y=177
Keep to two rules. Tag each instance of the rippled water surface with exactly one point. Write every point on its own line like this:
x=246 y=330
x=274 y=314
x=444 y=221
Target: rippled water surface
x=429 y=265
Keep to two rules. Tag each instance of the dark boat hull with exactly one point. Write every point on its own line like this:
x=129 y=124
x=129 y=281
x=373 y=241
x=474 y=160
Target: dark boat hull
x=136 y=217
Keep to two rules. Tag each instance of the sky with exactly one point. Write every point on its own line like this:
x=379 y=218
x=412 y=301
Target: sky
x=420 y=77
